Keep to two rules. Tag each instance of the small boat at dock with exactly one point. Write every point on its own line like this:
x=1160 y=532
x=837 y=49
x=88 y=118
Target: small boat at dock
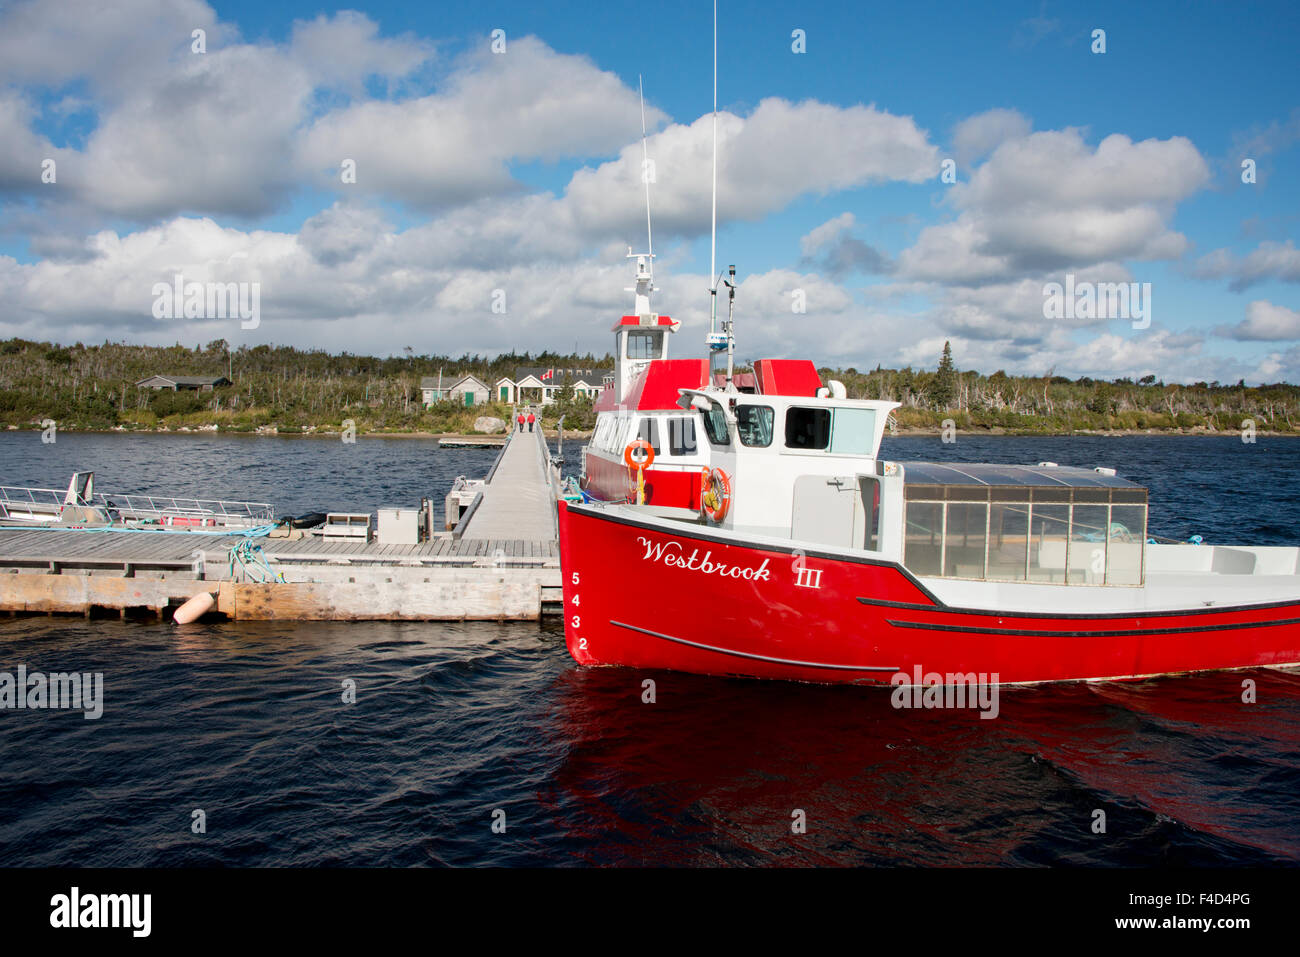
x=81 y=506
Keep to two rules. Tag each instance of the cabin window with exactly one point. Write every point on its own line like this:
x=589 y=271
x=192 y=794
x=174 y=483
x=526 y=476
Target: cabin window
x=1008 y=541
x=649 y=432
x=923 y=542
x=853 y=432
x=965 y=539
x=1049 y=532
x=643 y=345
x=715 y=426
x=754 y=425
x=1125 y=538
x=681 y=436
x=1087 y=543
x=807 y=429
x=1061 y=535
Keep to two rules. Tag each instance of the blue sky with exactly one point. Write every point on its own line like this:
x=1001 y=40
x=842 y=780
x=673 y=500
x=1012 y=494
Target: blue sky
x=482 y=172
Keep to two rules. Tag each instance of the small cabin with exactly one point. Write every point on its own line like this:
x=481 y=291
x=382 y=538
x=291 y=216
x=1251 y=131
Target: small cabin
x=468 y=390
x=179 y=383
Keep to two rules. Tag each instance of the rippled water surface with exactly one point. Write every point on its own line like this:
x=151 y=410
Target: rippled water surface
x=452 y=722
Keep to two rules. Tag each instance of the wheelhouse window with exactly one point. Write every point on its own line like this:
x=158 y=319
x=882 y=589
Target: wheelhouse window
x=649 y=431
x=681 y=436
x=807 y=429
x=1057 y=534
x=644 y=345
x=853 y=431
x=715 y=426
x=754 y=425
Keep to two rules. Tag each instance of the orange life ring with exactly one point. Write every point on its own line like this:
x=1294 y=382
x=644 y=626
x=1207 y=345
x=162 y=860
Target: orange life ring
x=715 y=493
x=645 y=446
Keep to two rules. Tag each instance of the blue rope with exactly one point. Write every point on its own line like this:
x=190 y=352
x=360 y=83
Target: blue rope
x=252 y=562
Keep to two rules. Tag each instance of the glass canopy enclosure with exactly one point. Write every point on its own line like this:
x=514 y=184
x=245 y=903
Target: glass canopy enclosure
x=1023 y=523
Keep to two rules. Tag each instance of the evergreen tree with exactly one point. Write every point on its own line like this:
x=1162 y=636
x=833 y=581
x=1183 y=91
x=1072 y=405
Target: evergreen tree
x=945 y=382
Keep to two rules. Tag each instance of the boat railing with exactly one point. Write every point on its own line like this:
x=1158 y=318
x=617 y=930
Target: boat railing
x=19 y=500
x=215 y=511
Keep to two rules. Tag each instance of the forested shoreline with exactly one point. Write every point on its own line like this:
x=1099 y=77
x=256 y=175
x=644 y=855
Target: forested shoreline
x=290 y=390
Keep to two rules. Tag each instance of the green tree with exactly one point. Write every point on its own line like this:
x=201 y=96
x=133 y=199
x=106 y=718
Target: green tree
x=945 y=383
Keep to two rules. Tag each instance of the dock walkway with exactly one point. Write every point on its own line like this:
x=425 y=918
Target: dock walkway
x=519 y=499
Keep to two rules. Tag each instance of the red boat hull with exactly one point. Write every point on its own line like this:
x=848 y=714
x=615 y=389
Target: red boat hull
x=640 y=595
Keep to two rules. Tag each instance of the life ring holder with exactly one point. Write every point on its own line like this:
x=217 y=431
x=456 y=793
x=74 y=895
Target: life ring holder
x=715 y=493
x=630 y=460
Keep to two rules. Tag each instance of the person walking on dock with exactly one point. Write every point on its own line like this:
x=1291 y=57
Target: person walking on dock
x=521 y=421
x=531 y=419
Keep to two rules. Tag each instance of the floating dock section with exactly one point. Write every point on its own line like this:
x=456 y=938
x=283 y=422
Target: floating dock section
x=500 y=562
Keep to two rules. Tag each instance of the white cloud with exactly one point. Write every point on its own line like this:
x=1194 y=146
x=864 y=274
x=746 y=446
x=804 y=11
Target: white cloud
x=216 y=135
x=832 y=249
x=977 y=136
x=455 y=146
x=1048 y=201
x=1265 y=322
x=117 y=47
x=345 y=49
x=24 y=151
x=766 y=160
x=1270 y=260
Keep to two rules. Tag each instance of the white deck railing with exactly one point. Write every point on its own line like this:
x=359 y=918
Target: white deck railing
x=165 y=507
x=30 y=503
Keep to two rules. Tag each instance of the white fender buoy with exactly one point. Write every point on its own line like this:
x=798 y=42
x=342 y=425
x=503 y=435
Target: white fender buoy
x=195 y=608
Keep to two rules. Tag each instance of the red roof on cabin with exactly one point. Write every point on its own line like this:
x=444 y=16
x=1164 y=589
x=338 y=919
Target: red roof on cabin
x=656 y=387
x=636 y=321
x=787 y=377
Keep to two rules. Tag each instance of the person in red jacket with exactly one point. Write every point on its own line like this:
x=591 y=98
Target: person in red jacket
x=521 y=421
x=531 y=419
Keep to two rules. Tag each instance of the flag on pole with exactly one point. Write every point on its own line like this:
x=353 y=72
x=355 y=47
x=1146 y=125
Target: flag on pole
x=548 y=374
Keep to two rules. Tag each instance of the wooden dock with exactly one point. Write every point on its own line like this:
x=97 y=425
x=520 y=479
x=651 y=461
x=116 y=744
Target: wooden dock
x=500 y=563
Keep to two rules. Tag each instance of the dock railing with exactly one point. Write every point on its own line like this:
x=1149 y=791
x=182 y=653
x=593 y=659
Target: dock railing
x=163 y=508
x=31 y=502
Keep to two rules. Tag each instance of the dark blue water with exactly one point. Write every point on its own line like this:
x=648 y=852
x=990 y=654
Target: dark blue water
x=453 y=722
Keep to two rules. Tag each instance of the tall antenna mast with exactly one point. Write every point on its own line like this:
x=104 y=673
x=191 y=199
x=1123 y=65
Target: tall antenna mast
x=644 y=261
x=713 y=243
x=717 y=341
x=645 y=174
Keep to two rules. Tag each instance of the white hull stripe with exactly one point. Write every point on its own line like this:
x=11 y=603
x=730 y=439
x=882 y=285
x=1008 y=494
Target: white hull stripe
x=746 y=654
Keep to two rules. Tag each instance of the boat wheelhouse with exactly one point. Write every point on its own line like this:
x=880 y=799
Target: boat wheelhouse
x=641 y=425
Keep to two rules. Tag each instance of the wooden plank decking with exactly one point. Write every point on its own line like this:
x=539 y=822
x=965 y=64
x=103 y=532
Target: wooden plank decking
x=505 y=564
